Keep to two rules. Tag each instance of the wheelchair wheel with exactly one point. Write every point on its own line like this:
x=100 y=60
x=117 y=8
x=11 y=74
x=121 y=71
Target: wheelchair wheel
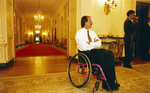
x=79 y=70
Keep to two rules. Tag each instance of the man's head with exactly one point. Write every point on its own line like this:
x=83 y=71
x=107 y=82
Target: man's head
x=130 y=14
x=86 y=22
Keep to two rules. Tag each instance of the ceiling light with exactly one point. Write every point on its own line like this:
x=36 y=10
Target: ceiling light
x=31 y=33
x=37 y=31
x=38 y=27
x=44 y=33
x=38 y=17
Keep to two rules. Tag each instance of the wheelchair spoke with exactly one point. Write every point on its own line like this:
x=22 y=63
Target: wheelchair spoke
x=79 y=72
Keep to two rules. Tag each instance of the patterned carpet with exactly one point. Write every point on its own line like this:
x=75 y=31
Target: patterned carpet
x=136 y=80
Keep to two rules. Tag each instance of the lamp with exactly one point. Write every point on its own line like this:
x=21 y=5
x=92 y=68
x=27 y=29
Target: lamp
x=44 y=37
x=109 y=4
x=39 y=17
x=44 y=33
x=31 y=33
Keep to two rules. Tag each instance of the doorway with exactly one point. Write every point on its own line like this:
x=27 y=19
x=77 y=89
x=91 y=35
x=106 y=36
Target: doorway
x=143 y=12
x=37 y=38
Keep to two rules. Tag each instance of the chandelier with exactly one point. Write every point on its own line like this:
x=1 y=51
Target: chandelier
x=39 y=17
x=109 y=4
x=37 y=31
x=38 y=27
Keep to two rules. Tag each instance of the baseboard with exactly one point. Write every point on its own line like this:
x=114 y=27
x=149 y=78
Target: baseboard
x=6 y=65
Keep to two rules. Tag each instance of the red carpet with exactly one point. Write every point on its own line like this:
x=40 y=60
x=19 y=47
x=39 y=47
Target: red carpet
x=38 y=50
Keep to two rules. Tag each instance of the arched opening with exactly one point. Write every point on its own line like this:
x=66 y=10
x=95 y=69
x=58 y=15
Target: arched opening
x=37 y=38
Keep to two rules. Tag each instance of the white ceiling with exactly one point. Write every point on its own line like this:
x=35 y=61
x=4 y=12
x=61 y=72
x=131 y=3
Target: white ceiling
x=30 y=7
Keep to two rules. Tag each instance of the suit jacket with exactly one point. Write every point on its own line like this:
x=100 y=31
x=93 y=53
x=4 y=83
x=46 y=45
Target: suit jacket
x=145 y=34
x=129 y=29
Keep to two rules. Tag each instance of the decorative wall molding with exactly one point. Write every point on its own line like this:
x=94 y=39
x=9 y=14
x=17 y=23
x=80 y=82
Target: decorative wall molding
x=2 y=40
x=0 y=20
x=3 y=22
x=3 y=44
x=3 y=53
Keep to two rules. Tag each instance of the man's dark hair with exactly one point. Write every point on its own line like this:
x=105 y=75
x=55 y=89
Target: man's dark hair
x=83 y=20
x=130 y=12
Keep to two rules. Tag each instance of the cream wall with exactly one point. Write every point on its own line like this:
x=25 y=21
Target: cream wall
x=19 y=27
x=59 y=20
x=6 y=31
x=103 y=24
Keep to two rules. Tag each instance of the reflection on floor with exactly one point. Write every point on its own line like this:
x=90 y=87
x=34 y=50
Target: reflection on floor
x=36 y=65
x=43 y=65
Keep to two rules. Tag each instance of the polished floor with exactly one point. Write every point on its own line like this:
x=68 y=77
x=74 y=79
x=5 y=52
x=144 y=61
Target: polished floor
x=36 y=65
x=43 y=65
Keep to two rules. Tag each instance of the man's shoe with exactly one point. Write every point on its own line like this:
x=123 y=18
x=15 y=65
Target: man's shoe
x=112 y=88
x=128 y=66
x=117 y=84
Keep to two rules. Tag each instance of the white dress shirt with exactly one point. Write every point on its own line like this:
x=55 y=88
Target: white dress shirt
x=82 y=39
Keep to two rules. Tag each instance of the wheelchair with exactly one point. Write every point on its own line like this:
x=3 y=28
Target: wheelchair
x=80 y=70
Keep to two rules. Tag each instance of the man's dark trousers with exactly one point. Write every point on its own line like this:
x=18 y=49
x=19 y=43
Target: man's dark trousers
x=105 y=59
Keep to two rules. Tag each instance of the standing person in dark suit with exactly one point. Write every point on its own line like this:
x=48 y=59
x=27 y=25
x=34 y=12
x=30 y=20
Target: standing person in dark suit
x=145 y=40
x=137 y=37
x=129 y=29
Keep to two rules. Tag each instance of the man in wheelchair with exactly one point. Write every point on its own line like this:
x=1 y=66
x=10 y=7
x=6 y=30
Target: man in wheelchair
x=89 y=44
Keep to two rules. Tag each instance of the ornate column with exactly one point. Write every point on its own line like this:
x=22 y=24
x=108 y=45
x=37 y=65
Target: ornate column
x=6 y=33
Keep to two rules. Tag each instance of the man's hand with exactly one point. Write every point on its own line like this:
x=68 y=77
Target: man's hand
x=95 y=40
x=135 y=19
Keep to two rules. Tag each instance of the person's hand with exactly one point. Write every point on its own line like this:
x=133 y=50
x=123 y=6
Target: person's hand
x=136 y=19
x=95 y=40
